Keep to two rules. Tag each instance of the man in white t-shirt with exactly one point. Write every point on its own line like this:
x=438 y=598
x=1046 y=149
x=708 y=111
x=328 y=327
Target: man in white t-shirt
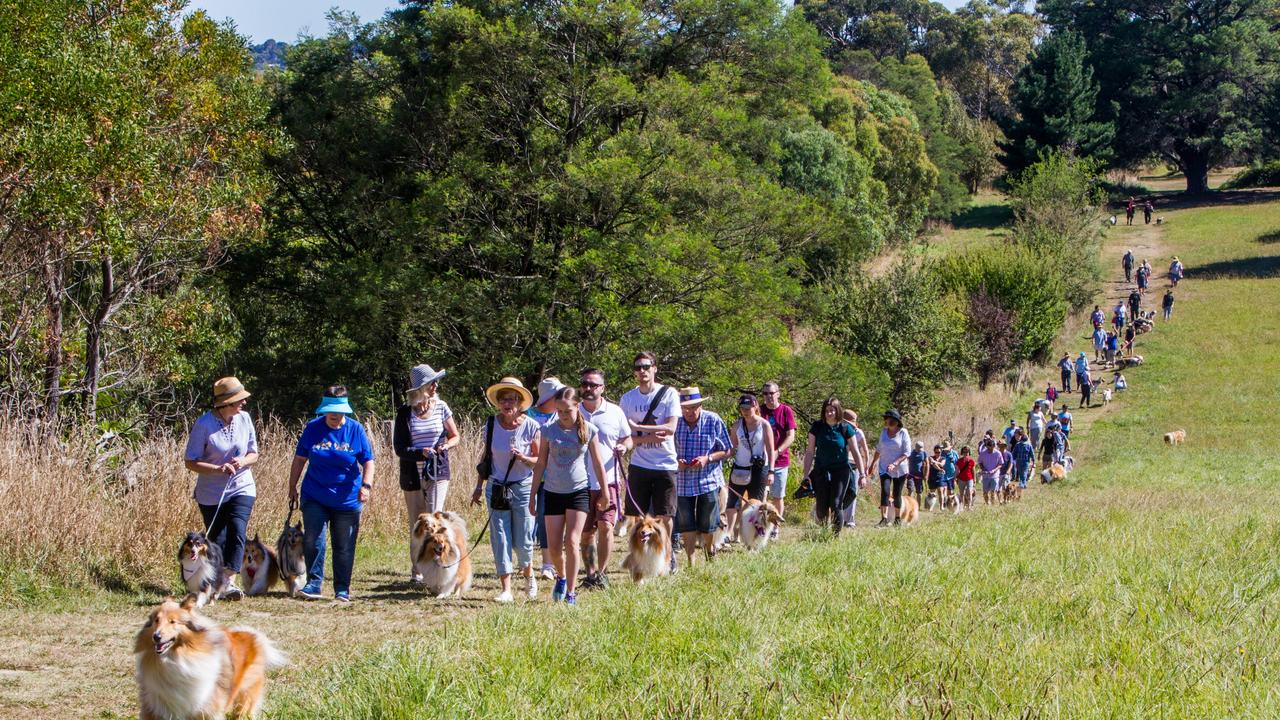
x=614 y=435
x=651 y=477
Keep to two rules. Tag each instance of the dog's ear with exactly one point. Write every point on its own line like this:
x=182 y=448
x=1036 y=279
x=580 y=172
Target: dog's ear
x=190 y=602
x=256 y=538
x=746 y=497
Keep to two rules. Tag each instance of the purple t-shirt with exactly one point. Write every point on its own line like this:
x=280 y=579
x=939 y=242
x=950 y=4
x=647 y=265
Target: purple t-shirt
x=990 y=461
x=781 y=419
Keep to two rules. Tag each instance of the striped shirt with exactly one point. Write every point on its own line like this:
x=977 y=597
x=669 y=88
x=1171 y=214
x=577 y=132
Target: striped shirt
x=709 y=435
x=429 y=431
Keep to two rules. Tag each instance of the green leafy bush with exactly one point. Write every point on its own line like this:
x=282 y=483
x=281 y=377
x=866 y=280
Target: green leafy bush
x=1265 y=174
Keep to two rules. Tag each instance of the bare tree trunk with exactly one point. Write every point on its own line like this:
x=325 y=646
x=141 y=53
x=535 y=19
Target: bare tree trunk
x=53 y=276
x=93 y=338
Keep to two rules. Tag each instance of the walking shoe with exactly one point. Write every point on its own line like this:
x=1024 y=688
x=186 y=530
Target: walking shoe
x=558 y=593
x=342 y=596
x=232 y=593
x=503 y=597
x=310 y=592
x=851 y=524
x=531 y=587
x=884 y=522
x=571 y=599
x=548 y=571
x=897 y=522
x=589 y=583
x=602 y=581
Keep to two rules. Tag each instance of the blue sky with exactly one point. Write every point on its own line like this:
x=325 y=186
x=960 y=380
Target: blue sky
x=286 y=19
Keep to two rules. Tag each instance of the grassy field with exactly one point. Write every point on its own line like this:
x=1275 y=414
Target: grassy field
x=1145 y=586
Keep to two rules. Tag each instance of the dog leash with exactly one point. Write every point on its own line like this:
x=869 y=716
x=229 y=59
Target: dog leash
x=288 y=518
x=474 y=545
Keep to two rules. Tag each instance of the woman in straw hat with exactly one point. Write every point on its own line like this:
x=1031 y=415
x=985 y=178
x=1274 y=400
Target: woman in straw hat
x=423 y=433
x=513 y=444
x=220 y=450
x=338 y=457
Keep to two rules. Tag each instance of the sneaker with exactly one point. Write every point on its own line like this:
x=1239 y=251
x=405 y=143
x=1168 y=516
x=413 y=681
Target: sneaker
x=571 y=599
x=851 y=524
x=232 y=593
x=531 y=587
x=884 y=522
x=548 y=571
x=342 y=596
x=589 y=582
x=504 y=597
x=602 y=581
x=557 y=594
x=310 y=592
x=897 y=522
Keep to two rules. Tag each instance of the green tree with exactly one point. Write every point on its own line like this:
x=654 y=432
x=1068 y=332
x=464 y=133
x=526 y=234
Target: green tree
x=1056 y=99
x=505 y=188
x=1187 y=81
x=130 y=147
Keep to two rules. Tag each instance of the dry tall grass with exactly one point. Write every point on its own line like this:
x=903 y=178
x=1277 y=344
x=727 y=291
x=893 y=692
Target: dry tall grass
x=73 y=519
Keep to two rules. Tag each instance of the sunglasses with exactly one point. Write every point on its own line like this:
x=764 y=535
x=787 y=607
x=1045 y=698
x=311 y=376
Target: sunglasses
x=643 y=366
x=769 y=394
x=591 y=385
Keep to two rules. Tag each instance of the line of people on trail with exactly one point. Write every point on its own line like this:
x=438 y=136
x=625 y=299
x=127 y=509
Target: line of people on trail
x=562 y=469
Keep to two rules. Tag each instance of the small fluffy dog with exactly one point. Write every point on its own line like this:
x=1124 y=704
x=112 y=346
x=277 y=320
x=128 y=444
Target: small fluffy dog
x=291 y=563
x=1131 y=361
x=261 y=571
x=1112 y=220
x=1159 y=219
x=650 y=554
x=910 y=511
x=201 y=563
x=1053 y=473
x=440 y=552
x=952 y=503
x=1175 y=438
x=1012 y=491
x=931 y=500
x=1106 y=396
x=757 y=521
x=189 y=668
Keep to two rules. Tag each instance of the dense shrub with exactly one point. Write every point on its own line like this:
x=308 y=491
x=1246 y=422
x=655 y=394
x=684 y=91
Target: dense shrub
x=1265 y=174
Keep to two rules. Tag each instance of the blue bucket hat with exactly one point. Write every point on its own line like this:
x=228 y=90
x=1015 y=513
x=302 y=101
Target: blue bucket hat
x=335 y=405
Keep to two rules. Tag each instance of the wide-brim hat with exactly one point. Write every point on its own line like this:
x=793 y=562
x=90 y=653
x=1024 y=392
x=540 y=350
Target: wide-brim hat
x=335 y=405
x=547 y=389
x=228 y=390
x=509 y=383
x=422 y=375
x=691 y=396
x=893 y=414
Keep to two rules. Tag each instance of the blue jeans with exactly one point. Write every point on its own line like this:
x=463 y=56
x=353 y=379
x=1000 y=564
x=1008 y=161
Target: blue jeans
x=343 y=526
x=511 y=531
x=1023 y=473
x=228 y=527
x=540 y=522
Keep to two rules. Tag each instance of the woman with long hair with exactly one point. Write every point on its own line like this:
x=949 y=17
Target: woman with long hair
x=568 y=443
x=827 y=457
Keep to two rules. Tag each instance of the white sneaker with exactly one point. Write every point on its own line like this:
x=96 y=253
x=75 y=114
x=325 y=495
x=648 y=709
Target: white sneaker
x=504 y=597
x=531 y=587
x=548 y=571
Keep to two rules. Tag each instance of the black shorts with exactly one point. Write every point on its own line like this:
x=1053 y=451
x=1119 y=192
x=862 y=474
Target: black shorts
x=652 y=492
x=558 y=503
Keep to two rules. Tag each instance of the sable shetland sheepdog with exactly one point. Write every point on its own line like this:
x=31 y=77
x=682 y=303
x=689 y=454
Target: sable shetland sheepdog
x=1177 y=437
x=440 y=552
x=290 y=560
x=650 y=554
x=758 y=521
x=910 y=510
x=261 y=571
x=201 y=563
x=189 y=668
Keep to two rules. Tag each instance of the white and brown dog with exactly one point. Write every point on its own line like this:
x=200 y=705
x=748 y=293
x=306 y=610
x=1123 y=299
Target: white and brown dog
x=441 y=556
x=1175 y=438
x=201 y=565
x=189 y=668
x=650 y=554
x=757 y=523
x=261 y=571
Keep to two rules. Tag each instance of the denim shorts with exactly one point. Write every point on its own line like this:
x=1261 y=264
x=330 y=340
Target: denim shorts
x=698 y=513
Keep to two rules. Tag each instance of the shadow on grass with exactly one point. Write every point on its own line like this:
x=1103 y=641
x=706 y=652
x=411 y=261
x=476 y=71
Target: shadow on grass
x=1247 y=268
x=115 y=581
x=1178 y=200
x=983 y=217
x=1269 y=238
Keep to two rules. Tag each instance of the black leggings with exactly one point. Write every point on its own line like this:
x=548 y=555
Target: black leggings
x=891 y=486
x=829 y=488
x=229 y=527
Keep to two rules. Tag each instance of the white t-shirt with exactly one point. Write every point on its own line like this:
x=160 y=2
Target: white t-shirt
x=635 y=405
x=892 y=448
x=611 y=424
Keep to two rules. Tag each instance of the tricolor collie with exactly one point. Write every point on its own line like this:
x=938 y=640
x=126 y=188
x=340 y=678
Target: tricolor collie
x=189 y=668
x=758 y=521
x=201 y=563
x=290 y=559
x=650 y=554
x=261 y=571
x=440 y=552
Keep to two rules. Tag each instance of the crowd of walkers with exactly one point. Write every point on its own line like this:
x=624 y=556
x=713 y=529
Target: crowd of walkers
x=563 y=467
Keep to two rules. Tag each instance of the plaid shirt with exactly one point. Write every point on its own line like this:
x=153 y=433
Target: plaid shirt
x=1023 y=453
x=708 y=436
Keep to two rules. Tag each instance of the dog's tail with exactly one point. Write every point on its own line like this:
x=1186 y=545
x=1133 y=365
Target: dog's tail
x=273 y=656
